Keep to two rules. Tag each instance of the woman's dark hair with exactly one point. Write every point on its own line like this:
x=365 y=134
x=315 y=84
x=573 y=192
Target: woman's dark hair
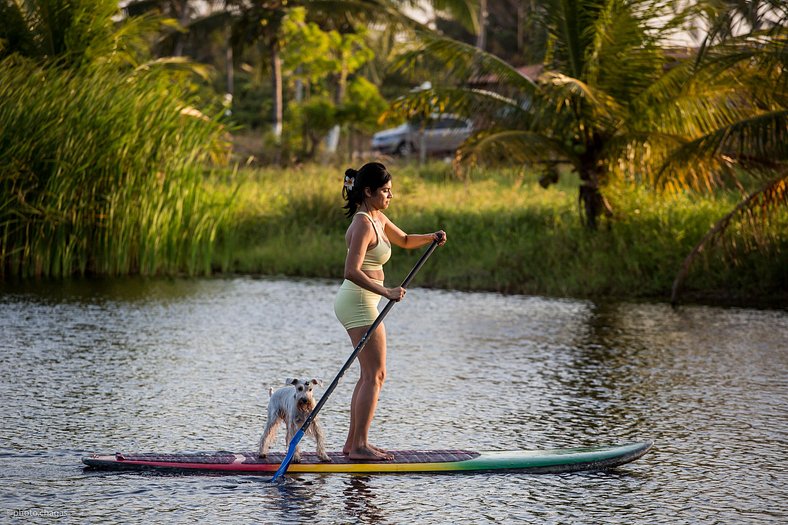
x=372 y=175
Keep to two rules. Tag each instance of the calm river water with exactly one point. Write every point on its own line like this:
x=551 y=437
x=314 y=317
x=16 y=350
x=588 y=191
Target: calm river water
x=185 y=365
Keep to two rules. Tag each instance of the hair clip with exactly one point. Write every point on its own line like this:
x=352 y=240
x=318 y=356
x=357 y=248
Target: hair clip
x=349 y=182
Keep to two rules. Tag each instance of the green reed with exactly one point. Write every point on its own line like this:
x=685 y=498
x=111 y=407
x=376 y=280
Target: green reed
x=100 y=172
x=506 y=234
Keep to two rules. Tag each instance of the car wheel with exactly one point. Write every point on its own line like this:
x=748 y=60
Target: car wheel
x=404 y=149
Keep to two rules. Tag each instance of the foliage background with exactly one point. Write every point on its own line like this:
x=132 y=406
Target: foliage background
x=116 y=157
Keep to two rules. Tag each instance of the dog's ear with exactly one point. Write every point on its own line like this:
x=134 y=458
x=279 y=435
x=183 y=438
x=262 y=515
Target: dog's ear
x=318 y=382
x=291 y=381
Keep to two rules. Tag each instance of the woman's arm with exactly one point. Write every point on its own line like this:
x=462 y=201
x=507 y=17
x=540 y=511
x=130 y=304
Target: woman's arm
x=413 y=240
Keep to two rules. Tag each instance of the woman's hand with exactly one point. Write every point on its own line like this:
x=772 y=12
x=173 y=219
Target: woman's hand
x=440 y=236
x=395 y=294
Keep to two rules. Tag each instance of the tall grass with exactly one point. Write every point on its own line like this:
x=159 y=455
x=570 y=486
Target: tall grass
x=100 y=172
x=505 y=234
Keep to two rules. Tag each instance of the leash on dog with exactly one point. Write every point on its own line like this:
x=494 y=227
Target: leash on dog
x=300 y=434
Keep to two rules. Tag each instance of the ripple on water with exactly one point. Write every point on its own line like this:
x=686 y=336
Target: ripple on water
x=179 y=365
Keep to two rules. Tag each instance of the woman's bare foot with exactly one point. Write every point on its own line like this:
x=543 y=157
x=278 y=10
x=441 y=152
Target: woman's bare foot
x=381 y=451
x=369 y=454
x=346 y=450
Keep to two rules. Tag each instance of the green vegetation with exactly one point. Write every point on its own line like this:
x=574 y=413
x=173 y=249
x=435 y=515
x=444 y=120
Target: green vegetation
x=114 y=161
x=506 y=234
x=101 y=153
x=616 y=103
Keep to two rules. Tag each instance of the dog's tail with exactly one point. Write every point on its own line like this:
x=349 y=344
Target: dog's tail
x=270 y=391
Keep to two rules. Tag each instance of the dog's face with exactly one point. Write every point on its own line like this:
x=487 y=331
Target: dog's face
x=303 y=392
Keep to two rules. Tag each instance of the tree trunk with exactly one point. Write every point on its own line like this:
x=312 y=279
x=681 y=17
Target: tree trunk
x=182 y=14
x=592 y=203
x=589 y=199
x=276 y=84
x=228 y=66
x=481 y=39
x=332 y=139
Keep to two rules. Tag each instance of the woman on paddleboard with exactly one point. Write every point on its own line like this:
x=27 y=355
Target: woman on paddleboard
x=369 y=238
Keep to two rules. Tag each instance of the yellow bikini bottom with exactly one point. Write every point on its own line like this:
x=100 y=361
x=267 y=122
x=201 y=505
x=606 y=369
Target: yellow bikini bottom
x=354 y=306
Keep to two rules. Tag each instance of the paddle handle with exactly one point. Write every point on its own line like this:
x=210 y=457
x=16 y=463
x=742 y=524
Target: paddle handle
x=359 y=347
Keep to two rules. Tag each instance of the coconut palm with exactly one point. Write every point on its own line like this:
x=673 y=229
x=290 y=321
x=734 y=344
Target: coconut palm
x=72 y=33
x=747 y=75
x=582 y=111
x=614 y=101
x=642 y=117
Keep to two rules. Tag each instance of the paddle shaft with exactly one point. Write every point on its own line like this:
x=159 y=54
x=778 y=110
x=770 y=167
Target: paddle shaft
x=359 y=347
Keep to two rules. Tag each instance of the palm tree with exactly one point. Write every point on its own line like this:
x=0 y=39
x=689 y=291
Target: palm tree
x=615 y=102
x=72 y=33
x=581 y=111
x=748 y=73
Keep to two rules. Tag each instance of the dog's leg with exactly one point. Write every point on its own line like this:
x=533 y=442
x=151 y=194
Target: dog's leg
x=291 y=432
x=320 y=439
x=269 y=435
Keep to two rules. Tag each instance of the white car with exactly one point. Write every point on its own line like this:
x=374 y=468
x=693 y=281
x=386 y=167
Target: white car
x=441 y=134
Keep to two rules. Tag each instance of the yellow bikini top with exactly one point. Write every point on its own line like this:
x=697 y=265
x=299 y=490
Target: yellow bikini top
x=375 y=257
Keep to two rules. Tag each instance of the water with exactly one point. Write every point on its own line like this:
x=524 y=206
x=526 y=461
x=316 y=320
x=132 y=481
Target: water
x=185 y=365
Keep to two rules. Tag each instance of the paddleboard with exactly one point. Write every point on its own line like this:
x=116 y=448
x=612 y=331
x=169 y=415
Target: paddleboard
x=532 y=461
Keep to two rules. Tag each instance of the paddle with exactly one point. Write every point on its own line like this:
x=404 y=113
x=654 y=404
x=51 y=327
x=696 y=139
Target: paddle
x=360 y=346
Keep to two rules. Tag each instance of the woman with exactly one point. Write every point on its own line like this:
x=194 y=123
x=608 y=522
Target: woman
x=369 y=238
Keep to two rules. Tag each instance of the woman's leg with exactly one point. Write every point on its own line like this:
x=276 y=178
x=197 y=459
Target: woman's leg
x=351 y=429
x=372 y=360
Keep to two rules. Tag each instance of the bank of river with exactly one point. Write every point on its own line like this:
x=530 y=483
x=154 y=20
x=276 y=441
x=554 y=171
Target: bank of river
x=507 y=234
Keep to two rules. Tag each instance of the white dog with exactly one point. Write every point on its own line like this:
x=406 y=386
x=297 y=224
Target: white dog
x=293 y=404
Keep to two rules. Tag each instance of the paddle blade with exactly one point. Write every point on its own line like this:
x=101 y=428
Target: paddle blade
x=289 y=456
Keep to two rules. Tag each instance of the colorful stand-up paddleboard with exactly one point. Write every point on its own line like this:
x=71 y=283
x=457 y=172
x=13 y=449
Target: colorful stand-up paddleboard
x=534 y=461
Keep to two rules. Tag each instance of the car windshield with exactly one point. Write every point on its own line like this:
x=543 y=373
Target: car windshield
x=438 y=123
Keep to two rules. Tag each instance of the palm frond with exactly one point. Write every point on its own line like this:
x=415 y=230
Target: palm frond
x=567 y=23
x=730 y=20
x=560 y=92
x=757 y=142
x=466 y=12
x=698 y=113
x=487 y=108
x=632 y=155
x=177 y=64
x=512 y=147
x=622 y=58
x=767 y=50
x=463 y=62
x=771 y=196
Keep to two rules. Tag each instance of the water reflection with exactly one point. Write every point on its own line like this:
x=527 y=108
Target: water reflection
x=97 y=290
x=297 y=499
x=359 y=500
